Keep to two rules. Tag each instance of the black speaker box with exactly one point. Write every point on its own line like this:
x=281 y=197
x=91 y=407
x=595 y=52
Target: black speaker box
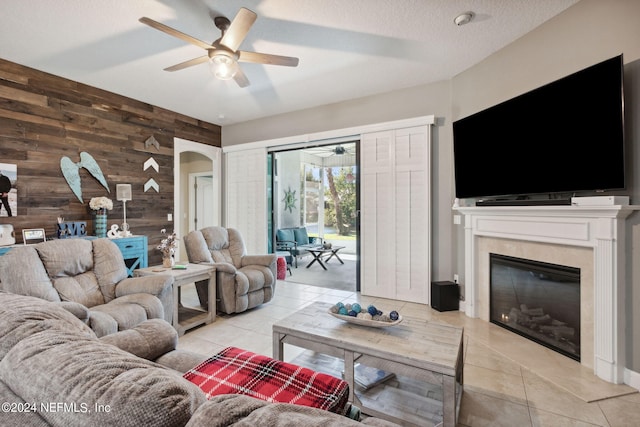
x=445 y=296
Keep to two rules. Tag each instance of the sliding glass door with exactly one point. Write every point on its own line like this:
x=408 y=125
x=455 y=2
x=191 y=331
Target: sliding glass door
x=318 y=188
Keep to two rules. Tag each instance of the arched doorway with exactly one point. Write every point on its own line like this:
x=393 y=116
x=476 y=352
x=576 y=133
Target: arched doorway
x=194 y=158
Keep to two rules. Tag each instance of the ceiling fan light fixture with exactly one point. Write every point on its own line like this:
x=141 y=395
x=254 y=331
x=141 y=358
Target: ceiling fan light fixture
x=223 y=66
x=223 y=54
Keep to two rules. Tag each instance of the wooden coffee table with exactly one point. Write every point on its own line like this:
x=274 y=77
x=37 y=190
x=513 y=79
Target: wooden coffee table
x=426 y=351
x=193 y=273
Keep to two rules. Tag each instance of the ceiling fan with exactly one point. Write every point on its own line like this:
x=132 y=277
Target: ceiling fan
x=332 y=150
x=223 y=53
x=340 y=150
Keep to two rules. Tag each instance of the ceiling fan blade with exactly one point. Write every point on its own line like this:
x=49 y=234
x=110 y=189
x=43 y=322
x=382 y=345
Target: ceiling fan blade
x=189 y=63
x=265 y=58
x=241 y=78
x=238 y=29
x=175 y=33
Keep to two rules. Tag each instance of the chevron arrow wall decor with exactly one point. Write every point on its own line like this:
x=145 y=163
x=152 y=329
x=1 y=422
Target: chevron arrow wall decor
x=151 y=184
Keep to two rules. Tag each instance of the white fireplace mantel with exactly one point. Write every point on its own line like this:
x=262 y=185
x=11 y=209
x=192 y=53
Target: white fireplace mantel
x=598 y=227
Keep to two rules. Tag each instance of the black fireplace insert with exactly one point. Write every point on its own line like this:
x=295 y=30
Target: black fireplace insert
x=538 y=300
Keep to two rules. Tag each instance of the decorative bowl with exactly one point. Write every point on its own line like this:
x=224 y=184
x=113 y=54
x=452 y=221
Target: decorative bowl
x=364 y=322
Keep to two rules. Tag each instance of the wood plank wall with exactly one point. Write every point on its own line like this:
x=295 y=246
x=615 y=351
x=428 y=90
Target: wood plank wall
x=44 y=117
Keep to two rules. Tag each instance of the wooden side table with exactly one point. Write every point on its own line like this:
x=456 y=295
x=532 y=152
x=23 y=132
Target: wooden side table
x=185 y=318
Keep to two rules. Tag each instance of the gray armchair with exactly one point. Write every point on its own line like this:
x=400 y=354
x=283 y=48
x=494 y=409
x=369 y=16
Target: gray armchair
x=87 y=273
x=242 y=281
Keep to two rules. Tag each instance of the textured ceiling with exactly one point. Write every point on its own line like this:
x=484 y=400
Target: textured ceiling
x=347 y=48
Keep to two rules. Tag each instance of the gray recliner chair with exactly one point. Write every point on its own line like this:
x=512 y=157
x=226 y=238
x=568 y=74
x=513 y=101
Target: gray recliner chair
x=87 y=274
x=242 y=281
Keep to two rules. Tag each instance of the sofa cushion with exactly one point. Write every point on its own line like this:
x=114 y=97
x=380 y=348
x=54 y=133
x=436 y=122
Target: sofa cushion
x=257 y=276
x=91 y=374
x=285 y=234
x=69 y=264
x=102 y=323
x=126 y=315
x=196 y=247
x=219 y=244
x=216 y=237
x=124 y=312
x=180 y=360
x=245 y=411
x=82 y=288
x=109 y=267
x=27 y=417
x=78 y=310
x=23 y=316
x=33 y=281
x=67 y=257
x=149 y=340
x=237 y=250
x=222 y=256
x=302 y=238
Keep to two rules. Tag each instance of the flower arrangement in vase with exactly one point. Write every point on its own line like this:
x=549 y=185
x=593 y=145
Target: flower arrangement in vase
x=168 y=248
x=101 y=205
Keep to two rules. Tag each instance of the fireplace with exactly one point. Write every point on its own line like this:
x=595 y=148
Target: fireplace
x=552 y=234
x=538 y=300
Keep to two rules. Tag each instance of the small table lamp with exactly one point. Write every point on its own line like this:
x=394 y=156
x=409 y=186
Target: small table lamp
x=123 y=194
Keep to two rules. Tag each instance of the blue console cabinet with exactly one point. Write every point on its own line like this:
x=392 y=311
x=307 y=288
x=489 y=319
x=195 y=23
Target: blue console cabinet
x=134 y=251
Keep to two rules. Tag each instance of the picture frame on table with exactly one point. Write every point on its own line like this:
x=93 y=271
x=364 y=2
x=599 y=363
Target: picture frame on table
x=33 y=235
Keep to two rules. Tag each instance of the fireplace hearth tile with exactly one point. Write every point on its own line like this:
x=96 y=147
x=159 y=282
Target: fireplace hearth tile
x=544 y=395
x=623 y=411
x=479 y=409
x=482 y=356
x=565 y=373
x=495 y=383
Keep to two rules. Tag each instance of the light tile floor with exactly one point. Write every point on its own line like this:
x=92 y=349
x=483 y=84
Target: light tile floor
x=507 y=380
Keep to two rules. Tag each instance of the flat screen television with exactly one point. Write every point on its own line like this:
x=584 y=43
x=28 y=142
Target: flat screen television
x=564 y=137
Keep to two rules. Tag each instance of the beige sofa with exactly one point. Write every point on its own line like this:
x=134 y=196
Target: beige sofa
x=55 y=371
x=92 y=274
x=243 y=281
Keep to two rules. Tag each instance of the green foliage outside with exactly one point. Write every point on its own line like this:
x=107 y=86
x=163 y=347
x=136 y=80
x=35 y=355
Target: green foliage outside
x=338 y=191
x=351 y=236
x=345 y=194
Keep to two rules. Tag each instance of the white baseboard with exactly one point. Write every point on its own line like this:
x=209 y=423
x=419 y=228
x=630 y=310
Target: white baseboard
x=632 y=378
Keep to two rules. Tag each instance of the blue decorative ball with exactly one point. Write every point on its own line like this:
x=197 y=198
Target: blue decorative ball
x=356 y=307
x=353 y=313
x=343 y=311
x=372 y=310
x=394 y=315
x=339 y=305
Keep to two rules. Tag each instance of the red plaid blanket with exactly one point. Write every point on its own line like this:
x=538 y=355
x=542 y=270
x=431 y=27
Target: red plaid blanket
x=236 y=371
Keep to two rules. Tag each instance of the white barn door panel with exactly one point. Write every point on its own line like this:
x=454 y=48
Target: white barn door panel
x=395 y=223
x=246 y=197
x=376 y=191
